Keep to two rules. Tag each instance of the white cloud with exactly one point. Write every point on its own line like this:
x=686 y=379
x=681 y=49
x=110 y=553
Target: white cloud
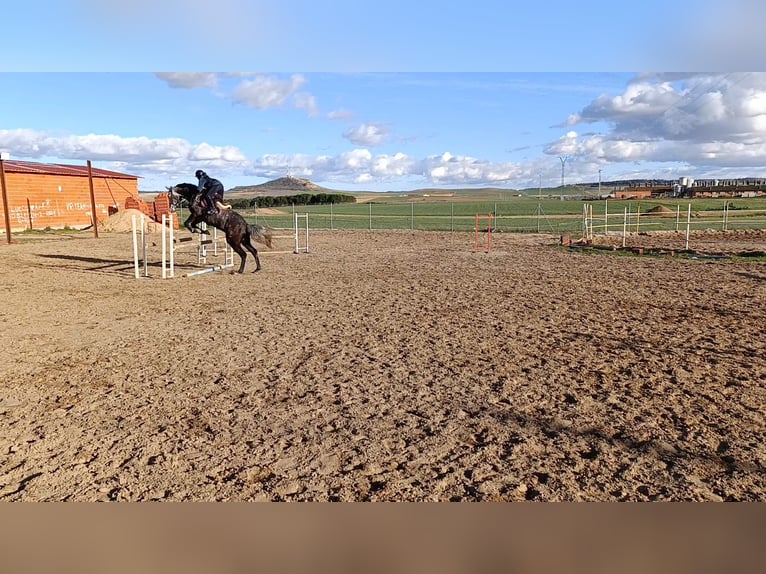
x=702 y=124
x=567 y=144
x=340 y=115
x=266 y=92
x=146 y=157
x=367 y=134
x=361 y=166
x=306 y=102
x=700 y=108
x=189 y=80
x=396 y=165
x=702 y=121
x=449 y=169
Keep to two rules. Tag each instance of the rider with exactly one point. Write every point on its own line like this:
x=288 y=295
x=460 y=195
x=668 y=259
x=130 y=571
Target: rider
x=211 y=188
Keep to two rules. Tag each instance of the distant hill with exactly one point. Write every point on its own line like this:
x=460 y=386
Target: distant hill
x=282 y=186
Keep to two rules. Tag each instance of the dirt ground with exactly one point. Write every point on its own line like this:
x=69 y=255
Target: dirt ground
x=382 y=366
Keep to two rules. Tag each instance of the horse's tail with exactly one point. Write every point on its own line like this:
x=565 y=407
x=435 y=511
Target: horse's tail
x=261 y=234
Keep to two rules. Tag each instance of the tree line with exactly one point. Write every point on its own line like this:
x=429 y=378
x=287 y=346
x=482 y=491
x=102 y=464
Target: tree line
x=288 y=200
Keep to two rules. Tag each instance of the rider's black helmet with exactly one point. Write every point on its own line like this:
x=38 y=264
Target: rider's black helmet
x=199 y=173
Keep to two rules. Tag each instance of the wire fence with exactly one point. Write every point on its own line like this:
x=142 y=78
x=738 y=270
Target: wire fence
x=589 y=217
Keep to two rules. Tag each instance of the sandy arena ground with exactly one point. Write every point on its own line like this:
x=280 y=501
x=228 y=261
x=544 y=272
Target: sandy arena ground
x=382 y=366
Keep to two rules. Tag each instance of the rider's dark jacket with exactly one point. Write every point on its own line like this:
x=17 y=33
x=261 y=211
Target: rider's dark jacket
x=210 y=186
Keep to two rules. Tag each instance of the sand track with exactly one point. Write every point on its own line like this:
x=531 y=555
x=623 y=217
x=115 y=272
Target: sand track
x=382 y=366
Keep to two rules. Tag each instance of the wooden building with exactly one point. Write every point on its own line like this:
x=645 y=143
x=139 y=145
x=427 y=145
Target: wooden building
x=42 y=195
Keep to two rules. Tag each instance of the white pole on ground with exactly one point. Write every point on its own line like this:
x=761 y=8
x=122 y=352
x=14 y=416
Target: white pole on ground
x=215 y=241
x=209 y=270
x=688 y=225
x=135 y=248
x=606 y=216
x=164 y=247
x=295 y=229
x=307 y=233
x=678 y=215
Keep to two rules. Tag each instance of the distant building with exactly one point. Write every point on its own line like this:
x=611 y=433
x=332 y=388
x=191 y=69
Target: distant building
x=632 y=193
x=690 y=187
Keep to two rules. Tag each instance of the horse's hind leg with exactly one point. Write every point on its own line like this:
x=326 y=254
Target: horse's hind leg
x=242 y=254
x=251 y=248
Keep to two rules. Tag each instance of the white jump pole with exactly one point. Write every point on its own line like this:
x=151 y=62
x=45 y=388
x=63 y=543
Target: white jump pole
x=298 y=248
x=164 y=247
x=295 y=229
x=168 y=259
x=202 y=247
x=624 y=226
x=688 y=225
x=172 y=247
x=143 y=246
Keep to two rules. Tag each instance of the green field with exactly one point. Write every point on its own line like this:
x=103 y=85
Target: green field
x=524 y=215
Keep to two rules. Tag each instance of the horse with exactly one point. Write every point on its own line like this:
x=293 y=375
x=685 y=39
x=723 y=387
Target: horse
x=238 y=232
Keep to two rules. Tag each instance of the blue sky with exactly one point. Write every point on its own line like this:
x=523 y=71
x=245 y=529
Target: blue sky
x=340 y=35
x=368 y=97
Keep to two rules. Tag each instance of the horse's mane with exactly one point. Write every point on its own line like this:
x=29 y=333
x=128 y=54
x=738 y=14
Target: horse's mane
x=187 y=190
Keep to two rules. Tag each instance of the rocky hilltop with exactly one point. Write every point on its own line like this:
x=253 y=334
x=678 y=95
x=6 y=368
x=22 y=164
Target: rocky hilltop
x=282 y=186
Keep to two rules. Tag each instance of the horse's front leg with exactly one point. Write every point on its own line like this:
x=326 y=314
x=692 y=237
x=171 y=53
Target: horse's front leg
x=188 y=225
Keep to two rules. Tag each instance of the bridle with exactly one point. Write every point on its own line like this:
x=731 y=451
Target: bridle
x=176 y=199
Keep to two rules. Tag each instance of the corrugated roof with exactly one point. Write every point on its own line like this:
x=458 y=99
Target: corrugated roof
x=11 y=166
